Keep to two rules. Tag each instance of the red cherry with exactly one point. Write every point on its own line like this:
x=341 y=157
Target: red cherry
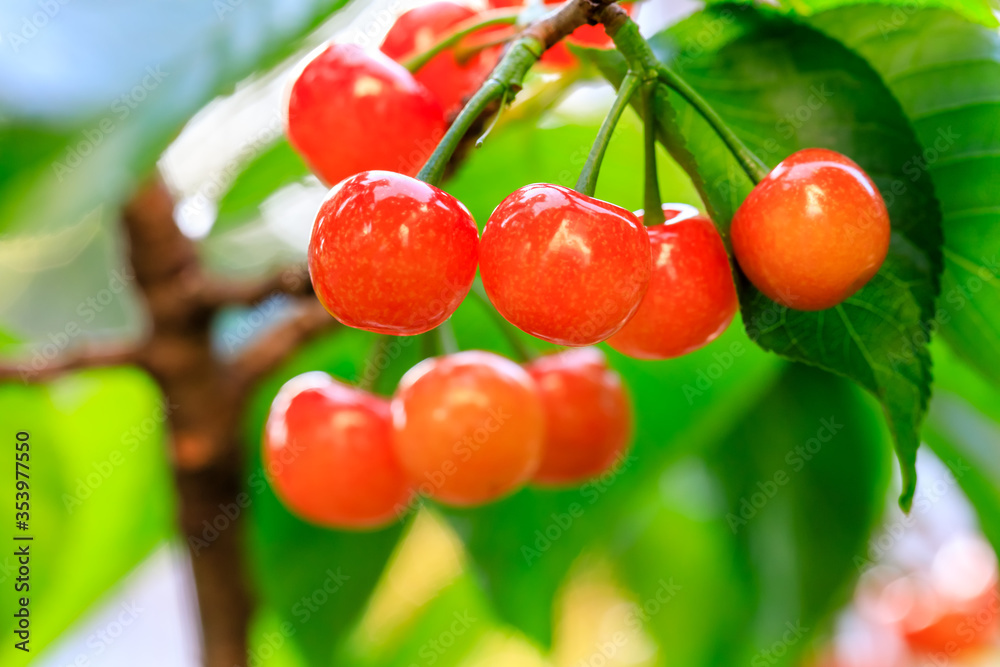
x=392 y=254
x=469 y=427
x=448 y=79
x=691 y=297
x=588 y=420
x=328 y=454
x=813 y=232
x=350 y=111
x=563 y=266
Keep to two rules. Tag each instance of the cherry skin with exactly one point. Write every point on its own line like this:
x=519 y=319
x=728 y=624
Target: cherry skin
x=691 y=297
x=448 y=79
x=562 y=266
x=392 y=254
x=588 y=418
x=351 y=111
x=813 y=232
x=468 y=427
x=328 y=454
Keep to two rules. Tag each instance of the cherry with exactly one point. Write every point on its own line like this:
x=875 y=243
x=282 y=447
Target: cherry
x=813 y=232
x=469 y=427
x=449 y=79
x=588 y=419
x=392 y=254
x=691 y=297
x=344 y=97
x=563 y=266
x=328 y=454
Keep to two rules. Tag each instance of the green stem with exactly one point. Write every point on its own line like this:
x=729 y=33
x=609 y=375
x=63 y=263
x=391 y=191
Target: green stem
x=446 y=338
x=509 y=331
x=506 y=78
x=652 y=204
x=587 y=182
x=464 y=30
x=370 y=378
x=640 y=57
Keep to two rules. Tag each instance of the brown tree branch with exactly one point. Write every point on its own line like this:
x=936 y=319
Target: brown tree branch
x=292 y=281
x=84 y=356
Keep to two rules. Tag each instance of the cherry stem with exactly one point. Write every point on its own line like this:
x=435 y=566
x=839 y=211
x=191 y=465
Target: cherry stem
x=509 y=331
x=640 y=57
x=369 y=379
x=446 y=338
x=652 y=204
x=504 y=81
x=503 y=17
x=587 y=183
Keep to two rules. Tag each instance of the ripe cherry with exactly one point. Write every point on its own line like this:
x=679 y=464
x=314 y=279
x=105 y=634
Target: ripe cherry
x=691 y=297
x=344 y=98
x=813 y=232
x=469 y=427
x=392 y=254
x=588 y=420
x=329 y=457
x=448 y=78
x=563 y=266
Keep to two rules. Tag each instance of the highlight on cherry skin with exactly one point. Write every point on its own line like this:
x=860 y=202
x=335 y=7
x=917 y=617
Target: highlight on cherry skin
x=343 y=97
x=691 y=297
x=813 y=232
x=562 y=266
x=588 y=416
x=392 y=254
x=469 y=427
x=321 y=437
x=447 y=77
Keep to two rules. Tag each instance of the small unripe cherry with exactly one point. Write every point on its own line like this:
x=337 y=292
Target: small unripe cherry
x=392 y=254
x=691 y=297
x=562 y=266
x=448 y=78
x=328 y=454
x=813 y=232
x=588 y=419
x=468 y=427
x=350 y=110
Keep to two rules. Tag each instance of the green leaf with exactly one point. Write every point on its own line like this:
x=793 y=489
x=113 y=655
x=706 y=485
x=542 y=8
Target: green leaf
x=963 y=429
x=315 y=580
x=946 y=74
x=100 y=491
x=273 y=169
x=102 y=130
x=783 y=87
x=897 y=13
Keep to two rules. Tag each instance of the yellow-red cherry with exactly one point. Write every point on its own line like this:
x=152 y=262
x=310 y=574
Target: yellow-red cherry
x=562 y=266
x=588 y=417
x=813 y=232
x=691 y=297
x=328 y=454
x=468 y=427
x=350 y=110
x=392 y=254
x=448 y=76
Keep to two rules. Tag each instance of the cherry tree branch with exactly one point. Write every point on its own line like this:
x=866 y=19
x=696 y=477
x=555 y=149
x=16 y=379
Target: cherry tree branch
x=84 y=356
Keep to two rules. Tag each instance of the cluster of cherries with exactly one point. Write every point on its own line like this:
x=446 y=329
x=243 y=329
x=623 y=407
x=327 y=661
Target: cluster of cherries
x=466 y=429
x=394 y=255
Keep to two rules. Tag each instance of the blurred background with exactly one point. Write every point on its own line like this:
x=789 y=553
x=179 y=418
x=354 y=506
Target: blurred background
x=692 y=552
